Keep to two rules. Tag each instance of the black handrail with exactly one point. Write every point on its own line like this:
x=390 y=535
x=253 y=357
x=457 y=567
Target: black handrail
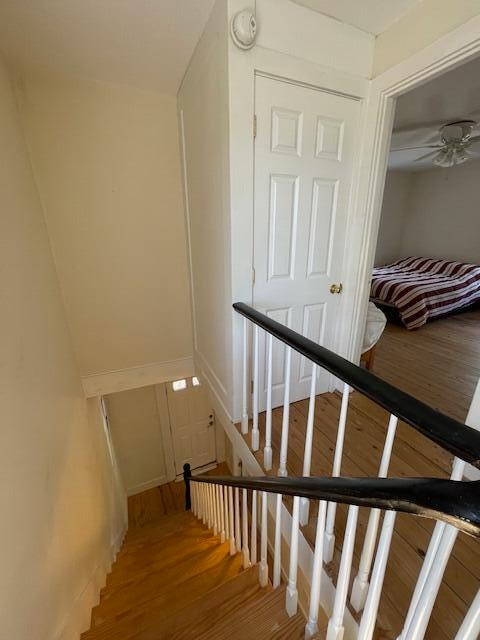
x=454 y=502
x=187 y=476
x=454 y=436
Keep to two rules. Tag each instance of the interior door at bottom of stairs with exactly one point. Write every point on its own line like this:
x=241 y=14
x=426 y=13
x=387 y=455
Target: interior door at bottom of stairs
x=192 y=423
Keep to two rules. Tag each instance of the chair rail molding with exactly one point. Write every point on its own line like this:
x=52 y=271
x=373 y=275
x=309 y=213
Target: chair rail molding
x=99 y=384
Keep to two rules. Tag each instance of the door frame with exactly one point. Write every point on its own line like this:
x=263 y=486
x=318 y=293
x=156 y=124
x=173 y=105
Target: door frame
x=166 y=429
x=243 y=69
x=446 y=53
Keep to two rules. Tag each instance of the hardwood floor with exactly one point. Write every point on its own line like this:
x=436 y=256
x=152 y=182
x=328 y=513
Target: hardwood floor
x=174 y=580
x=439 y=364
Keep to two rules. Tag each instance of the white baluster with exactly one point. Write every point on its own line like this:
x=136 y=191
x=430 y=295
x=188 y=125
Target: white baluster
x=423 y=611
x=253 y=532
x=245 y=378
x=210 y=509
x=369 y=616
x=335 y=629
x=205 y=505
x=263 y=569
x=225 y=513
x=221 y=514
x=192 y=497
x=277 y=549
x=291 y=598
x=337 y=463
x=311 y=627
x=245 y=549
x=216 y=525
x=238 y=535
x=267 y=451
x=470 y=629
x=307 y=454
x=231 y=522
x=282 y=471
x=458 y=470
x=360 y=584
x=255 y=431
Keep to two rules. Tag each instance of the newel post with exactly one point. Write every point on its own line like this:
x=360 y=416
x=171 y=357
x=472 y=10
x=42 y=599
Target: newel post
x=187 y=474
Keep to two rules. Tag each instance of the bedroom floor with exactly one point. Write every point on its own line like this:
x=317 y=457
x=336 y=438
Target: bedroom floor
x=438 y=363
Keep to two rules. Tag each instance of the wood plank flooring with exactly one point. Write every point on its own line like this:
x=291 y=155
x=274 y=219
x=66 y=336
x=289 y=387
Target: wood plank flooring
x=439 y=364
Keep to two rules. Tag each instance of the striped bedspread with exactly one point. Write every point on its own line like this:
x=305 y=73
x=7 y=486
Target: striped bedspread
x=425 y=288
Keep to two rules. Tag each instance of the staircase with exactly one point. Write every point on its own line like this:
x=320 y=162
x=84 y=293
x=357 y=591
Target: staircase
x=174 y=579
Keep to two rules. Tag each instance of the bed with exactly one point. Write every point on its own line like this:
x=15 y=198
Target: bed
x=421 y=289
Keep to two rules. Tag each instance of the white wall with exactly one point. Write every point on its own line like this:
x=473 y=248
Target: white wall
x=426 y=22
x=62 y=508
x=443 y=217
x=396 y=198
x=431 y=213
x=203 y=109
x=106 y=158
x=138 y=421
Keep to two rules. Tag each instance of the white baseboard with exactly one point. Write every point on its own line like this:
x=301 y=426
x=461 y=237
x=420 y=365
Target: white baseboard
x=79 y=617
x=145 y=486
x=100 y=384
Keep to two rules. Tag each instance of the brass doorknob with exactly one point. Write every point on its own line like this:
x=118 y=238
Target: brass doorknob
x=336 y=288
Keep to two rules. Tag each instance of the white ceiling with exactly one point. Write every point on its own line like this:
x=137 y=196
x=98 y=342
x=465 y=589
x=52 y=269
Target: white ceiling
x=452 y=96
x=146 y=43
x=373 y=16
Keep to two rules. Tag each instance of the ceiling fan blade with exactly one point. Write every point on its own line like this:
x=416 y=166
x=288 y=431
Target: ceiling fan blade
x=430 y=154
x=423 y=146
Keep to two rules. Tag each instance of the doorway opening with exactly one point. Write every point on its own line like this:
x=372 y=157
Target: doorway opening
x=426 y=278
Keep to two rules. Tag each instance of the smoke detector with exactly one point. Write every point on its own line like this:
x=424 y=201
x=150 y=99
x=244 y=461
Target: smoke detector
x=243 y=29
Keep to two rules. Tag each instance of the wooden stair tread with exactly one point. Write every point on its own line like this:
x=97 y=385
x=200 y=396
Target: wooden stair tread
x=162 y=526
x=131 y=570
x=264 y=617
x=209 y=609
x=166 y=587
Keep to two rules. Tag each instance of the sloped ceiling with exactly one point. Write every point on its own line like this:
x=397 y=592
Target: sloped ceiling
x=373 y=16
x=145 y=43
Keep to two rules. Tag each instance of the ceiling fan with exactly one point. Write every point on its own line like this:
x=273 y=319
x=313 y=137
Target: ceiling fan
x=454 y=147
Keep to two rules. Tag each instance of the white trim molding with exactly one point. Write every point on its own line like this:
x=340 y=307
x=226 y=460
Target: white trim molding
x=146 y=375
x=455 y=48
x=145 y=486
x=79 y=617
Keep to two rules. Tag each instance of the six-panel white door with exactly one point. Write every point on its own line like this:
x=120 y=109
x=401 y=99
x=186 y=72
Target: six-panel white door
x=304 y=157
x=192 y=424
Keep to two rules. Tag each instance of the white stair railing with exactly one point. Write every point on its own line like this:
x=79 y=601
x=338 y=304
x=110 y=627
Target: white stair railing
x=470 y=628
x=245 y=549
x=228 y=515
x=263 y=569
x=282 y=470
x=267 y=451
x=307 y=454
x=337 y=464
x=360 y=584
x=382 y=495
x=277 y=549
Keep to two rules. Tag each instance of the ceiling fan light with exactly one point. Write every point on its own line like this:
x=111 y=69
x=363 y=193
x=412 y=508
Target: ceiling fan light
x=445 y=159
x=461 y=156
